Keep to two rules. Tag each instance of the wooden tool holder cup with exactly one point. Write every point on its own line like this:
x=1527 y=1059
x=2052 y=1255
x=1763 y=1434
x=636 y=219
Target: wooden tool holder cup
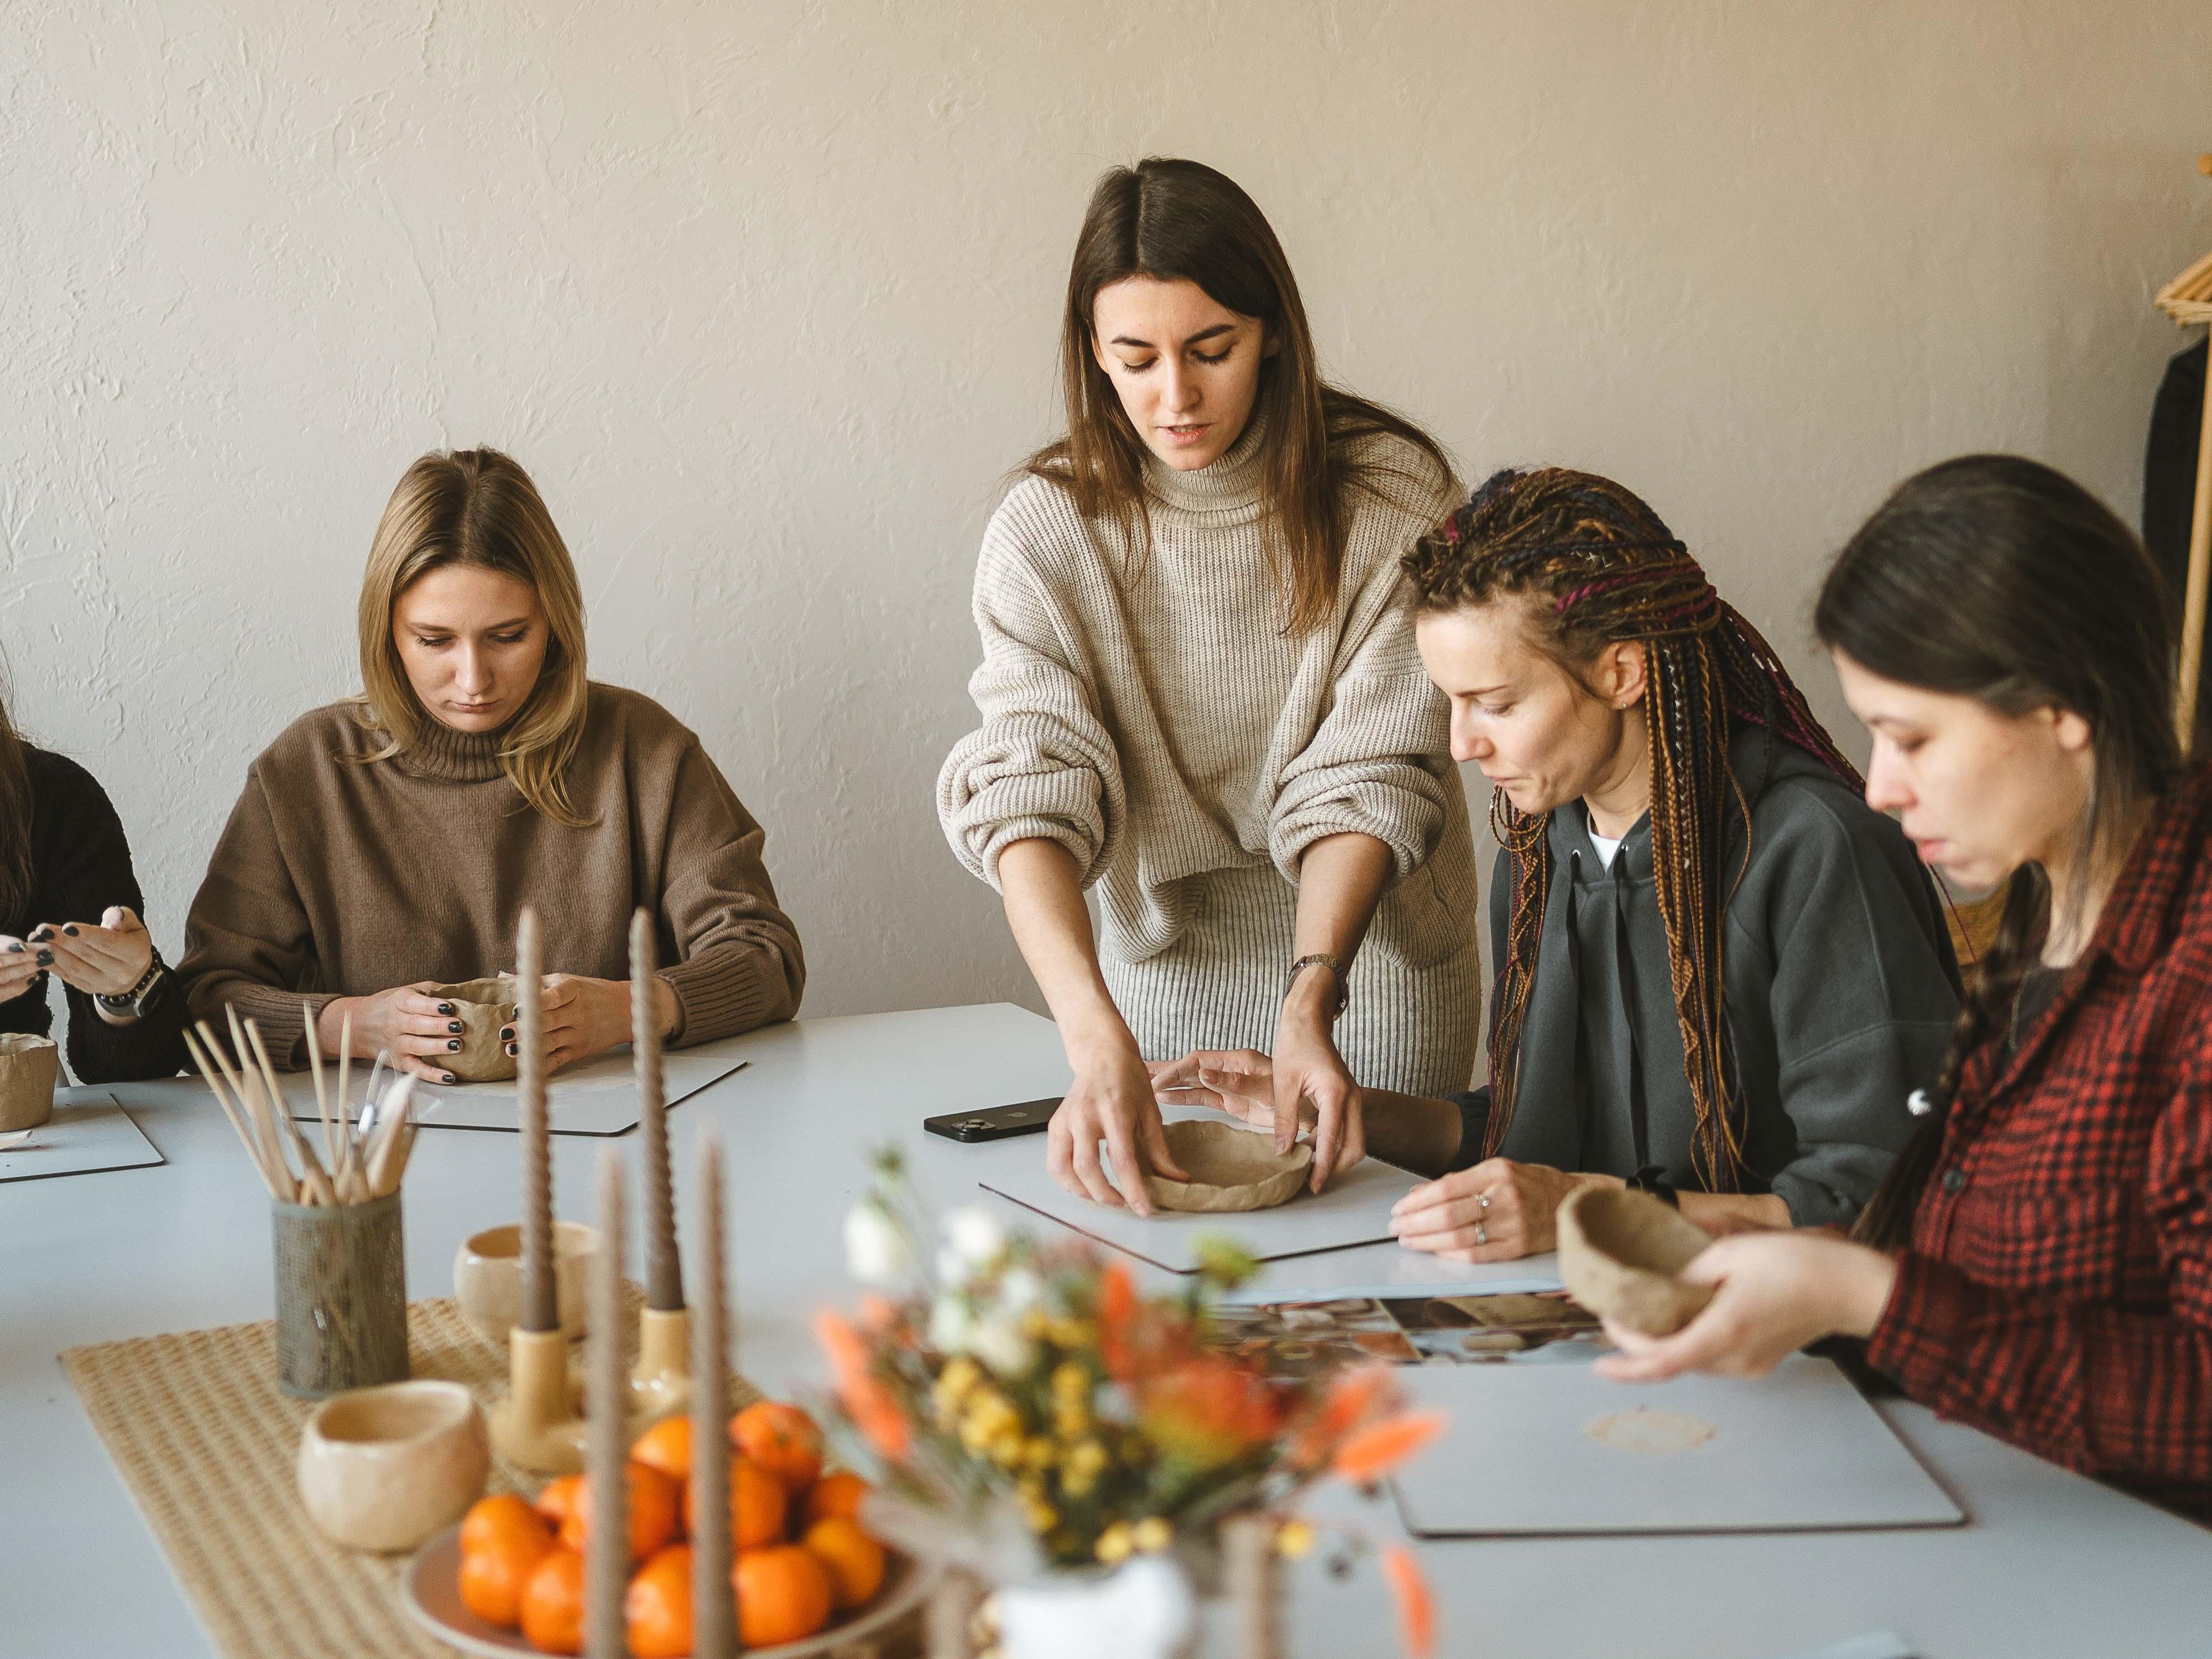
x=341 y=1295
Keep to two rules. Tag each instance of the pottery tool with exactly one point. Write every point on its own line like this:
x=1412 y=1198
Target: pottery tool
x=331 y=1147
x=714 y=1601
x=606 y=1433
x=313 y=1178
x=660 y=1383
x=533 y=1426
x=210 y=1071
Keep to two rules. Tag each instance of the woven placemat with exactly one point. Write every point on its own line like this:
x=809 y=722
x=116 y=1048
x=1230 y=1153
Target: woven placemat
x=206 y=1443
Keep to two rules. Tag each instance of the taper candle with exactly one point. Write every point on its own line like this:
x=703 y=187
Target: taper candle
x=541 y=1306
x=664 y=1270
x=714 y=1598
x=606 y=1432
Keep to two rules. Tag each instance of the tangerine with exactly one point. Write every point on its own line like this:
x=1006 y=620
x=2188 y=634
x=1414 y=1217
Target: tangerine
x=666 y=1446
x=655 y=1501
x=558 y=1498
x=854 y=1560
x=782 y=1439
x=657 y=1609
x=553 y=1603
x=834 y=1494
x=494 y=1574
x=757 y=1506
x=501 y=1515
x=784 y=1594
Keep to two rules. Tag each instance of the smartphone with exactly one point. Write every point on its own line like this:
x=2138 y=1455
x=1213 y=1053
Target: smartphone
x=1026 y=1117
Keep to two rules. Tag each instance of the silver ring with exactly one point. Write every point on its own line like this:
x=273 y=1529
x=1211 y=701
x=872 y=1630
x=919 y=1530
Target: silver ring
x=1481 y=1234
x=1482 y=1199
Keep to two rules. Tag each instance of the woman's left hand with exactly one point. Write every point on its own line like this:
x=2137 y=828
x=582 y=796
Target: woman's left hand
x=102 y=960
x=587 y=1016
x=1779 y=1291
x=1499 y=1210
x=1309 y=1073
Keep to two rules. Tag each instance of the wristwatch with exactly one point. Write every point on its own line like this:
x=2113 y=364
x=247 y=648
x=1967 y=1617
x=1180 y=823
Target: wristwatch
x=141 y=996
x=1653 y=1180
x=1323 y=959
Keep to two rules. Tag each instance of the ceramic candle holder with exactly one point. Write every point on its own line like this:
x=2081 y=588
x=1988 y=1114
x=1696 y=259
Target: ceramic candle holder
x=536 y=1426
x=388 y=1468
x=487 y=1278
x=661 y=1383
x=484 y=1007
x=1619 y=1251
x=1230 y=1168
x=28 y=1067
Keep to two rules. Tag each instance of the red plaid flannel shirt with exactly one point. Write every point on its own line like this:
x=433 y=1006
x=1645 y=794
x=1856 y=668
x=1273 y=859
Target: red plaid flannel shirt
x=2058 y=1289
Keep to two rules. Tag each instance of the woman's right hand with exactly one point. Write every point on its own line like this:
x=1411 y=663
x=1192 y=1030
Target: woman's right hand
x=417 y=1029
x=1111 y=1099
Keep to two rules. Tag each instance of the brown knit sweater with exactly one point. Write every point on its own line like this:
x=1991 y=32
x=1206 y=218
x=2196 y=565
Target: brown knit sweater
x=336 y=878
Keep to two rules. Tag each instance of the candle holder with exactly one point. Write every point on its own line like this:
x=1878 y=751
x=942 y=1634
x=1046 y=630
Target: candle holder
x=661 y=1383
x=536 y=1427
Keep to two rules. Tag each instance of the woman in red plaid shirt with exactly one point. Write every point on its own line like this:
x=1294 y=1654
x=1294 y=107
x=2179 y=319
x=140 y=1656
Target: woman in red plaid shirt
x=2039 y=1262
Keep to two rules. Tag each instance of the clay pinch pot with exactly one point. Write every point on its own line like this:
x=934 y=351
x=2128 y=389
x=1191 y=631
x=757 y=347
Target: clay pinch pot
x=483 y=1006
x=1619 y=1251
x=386 y=1468
x=1230 y=1168
x=487 y=1278
x=29 y=1066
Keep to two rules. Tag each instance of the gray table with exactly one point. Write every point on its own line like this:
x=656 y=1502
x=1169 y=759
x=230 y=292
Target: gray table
x=2051 y=1563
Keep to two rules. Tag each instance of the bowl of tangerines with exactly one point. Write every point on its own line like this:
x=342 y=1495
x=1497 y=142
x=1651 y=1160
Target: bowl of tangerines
x=808 y=1574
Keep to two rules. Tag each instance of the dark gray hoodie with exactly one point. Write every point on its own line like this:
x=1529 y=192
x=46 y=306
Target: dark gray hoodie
x=1840 y=989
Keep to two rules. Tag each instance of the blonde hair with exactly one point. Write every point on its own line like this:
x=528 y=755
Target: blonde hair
x=477 y=506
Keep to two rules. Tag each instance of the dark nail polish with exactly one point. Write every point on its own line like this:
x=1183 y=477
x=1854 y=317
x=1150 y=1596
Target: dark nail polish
x=38 y=935
x=454 y=1043
x=45 y=958
x=444 y=1007
x=512 y=1052
x=70 y=928
x=16 y=950
x=455 y=1028
x=450 y=1077
x=506 y=1034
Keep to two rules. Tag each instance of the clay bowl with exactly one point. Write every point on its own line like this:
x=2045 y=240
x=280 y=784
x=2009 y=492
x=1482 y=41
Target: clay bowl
x=385 y=1469
x=1230 y=1168
x=483 y=1006
x=1619 y=1251
x=487 y=1278
x=28 y=1067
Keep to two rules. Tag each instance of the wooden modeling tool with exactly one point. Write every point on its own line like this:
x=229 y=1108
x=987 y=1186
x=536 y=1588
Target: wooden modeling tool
x=661 y=1385
x=714 y=1597
x=607 y=1435
x=533 y=1426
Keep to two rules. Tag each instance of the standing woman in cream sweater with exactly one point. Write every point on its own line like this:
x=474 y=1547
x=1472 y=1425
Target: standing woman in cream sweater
x=388 y=843
x=1199 y=692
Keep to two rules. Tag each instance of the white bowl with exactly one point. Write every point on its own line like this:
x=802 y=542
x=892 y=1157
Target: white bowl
x=385 y=1469
x=488 y=1279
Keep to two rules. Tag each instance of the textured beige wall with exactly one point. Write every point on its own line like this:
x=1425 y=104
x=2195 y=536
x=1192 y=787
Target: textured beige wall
x=764 y=294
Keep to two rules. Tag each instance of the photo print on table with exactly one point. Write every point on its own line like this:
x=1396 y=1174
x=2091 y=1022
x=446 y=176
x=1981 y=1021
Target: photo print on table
x=1296 y=1337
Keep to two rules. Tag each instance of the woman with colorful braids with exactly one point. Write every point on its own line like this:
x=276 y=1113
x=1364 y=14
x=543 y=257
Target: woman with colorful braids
x=1719 y=973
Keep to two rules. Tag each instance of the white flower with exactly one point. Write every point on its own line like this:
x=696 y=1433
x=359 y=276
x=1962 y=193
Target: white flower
x=1000 y=1344
x=875 y=1252
x=950 y=1323
x=1020 y=1289
x=973 y=1238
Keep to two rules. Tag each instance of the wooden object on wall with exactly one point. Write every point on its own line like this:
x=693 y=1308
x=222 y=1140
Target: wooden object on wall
x=2188 y=300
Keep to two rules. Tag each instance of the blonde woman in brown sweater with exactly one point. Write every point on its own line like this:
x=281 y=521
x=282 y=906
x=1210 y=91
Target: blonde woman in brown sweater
x=388 y=843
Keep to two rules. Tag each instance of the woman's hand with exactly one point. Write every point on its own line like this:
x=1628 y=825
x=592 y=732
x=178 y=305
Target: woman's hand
x=417 y=1029
x=1309 y=1073
x=1777 y=1292
x=587 y=1017
x=102 y=959
x=1499 y=1210
x=1239 y=1081
x=1111 y=1098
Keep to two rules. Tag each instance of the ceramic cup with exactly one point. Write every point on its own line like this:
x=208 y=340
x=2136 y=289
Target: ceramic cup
x=389 y=1468
x=487 y=1278
x=28 y=1067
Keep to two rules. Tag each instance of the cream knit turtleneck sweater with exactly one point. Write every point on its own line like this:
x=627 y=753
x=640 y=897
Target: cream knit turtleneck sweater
x=1162 y=728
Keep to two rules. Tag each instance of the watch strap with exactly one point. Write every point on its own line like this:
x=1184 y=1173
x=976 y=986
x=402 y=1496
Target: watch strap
x=133 y=1001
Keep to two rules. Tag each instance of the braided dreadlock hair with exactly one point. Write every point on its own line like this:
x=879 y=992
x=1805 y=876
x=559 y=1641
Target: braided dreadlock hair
x=1595 y=564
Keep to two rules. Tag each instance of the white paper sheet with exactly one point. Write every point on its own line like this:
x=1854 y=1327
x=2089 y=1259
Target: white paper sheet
x=88 y=1133
x=599 y=1097
x=1559 y=1449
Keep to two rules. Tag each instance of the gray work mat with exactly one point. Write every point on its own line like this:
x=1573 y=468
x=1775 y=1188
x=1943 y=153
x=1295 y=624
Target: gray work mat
x=1547 y=1449
x=1354 y=1210
x=88 y=1133
x=599 y=1097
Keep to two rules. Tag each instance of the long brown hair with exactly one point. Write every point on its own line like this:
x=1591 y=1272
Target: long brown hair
x=1595 y=564
x=1998 y=578
x=477 y=506
x=1177 y=221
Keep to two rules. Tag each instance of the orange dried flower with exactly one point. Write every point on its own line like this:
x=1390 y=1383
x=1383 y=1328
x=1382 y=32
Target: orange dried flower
x=1374 y=1452
x=1417 y=1606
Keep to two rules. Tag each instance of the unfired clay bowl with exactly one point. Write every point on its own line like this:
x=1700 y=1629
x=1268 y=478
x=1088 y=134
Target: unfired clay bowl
x=28 y=1067
x=386 y=1468
x=1619 y=1251
x=1230 y=1168
x=487 y=1278
x=484 y=1006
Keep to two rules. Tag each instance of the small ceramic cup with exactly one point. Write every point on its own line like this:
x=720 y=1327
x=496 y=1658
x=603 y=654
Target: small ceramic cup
x=388 y=1468
x=28 y=1068
x=487 y=1278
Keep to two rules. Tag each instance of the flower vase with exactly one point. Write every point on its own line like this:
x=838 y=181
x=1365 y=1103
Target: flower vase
x=1145 y=1608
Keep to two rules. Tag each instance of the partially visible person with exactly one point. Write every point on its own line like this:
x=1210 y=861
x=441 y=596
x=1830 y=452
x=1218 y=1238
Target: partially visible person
x=70 y=906
x=1720 y=974
x=1200 y=696
x=388 y=843
x=2039 y=1262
